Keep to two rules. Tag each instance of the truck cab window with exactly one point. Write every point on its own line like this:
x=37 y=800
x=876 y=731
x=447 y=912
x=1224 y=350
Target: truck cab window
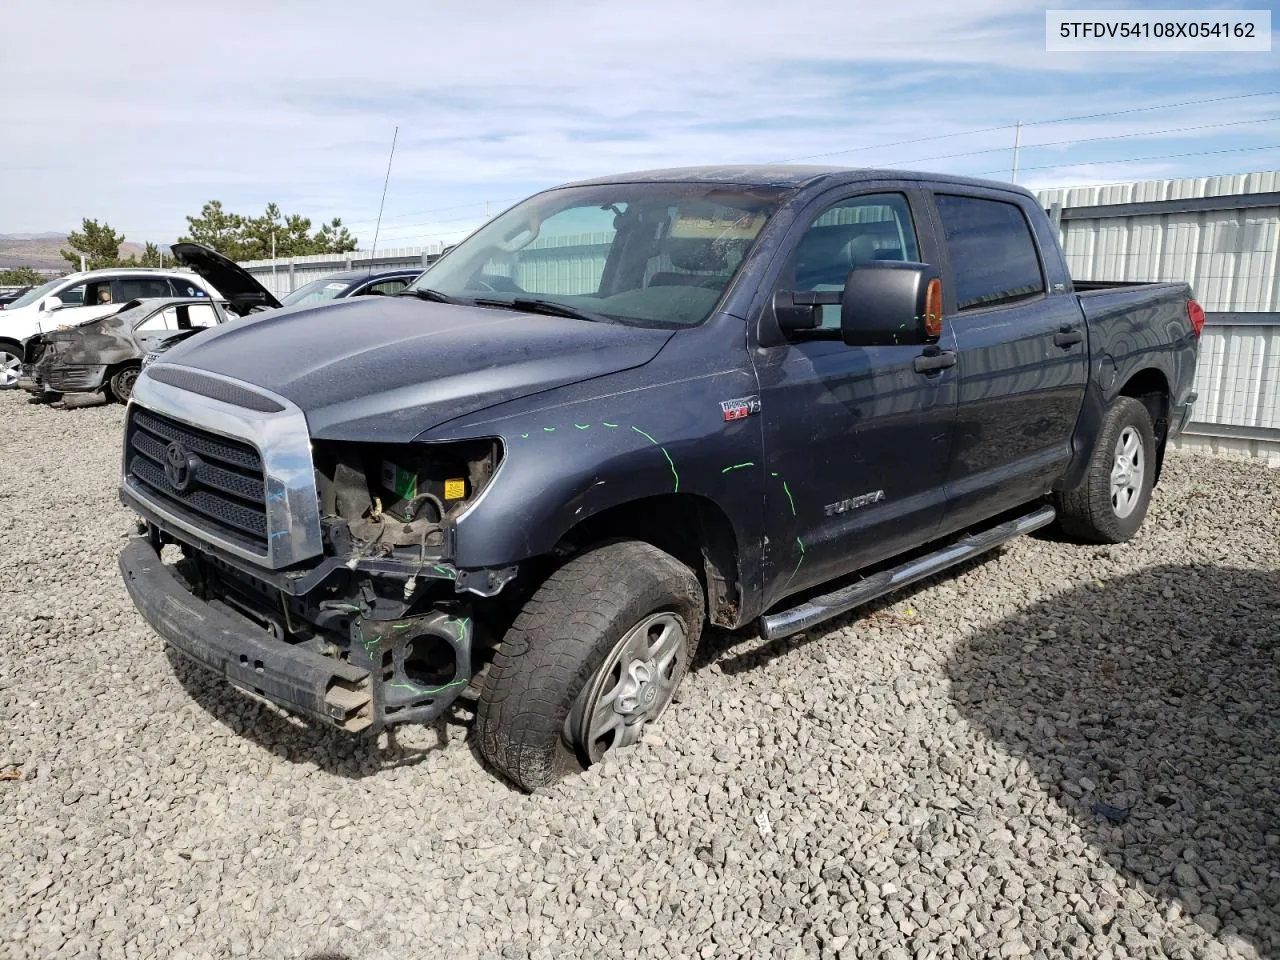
x=993 y=255
x=852 y=232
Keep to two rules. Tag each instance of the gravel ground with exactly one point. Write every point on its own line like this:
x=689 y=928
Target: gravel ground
x=919 y=782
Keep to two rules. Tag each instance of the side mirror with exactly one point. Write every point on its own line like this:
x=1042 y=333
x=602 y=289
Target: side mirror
x=891 y=302
x=50 y=304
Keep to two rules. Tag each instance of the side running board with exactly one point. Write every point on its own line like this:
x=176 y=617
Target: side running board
x=787 y=622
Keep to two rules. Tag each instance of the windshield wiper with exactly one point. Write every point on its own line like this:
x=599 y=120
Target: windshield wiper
x=425 y=293
x=552 y=308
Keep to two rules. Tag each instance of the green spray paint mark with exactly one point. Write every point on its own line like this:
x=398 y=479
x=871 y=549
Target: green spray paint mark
x=582 y=426
x=524 y=436
x=426 y=691
x=738 y=466
x=611 y=426
x=401 y=626
x=800 y=543
x=670 y=462
x=370 y=644
x=548 y=429
x=463 y=624
x=773 y=474
x=445 y=572
x=790 y=499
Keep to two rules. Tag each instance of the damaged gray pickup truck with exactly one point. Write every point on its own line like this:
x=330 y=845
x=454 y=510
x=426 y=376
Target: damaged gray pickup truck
x=622 y=410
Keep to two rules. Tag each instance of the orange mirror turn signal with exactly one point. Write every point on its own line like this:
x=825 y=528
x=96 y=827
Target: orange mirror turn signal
x=933 y=309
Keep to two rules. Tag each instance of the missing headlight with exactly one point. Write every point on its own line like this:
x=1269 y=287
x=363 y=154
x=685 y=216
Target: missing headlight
x=405 y=494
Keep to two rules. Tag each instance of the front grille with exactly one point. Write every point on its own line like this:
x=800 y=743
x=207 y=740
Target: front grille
x=224 y=486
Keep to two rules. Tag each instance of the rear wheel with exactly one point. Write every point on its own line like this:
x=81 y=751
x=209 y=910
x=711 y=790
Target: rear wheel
x=122 y=382
x=1111 y=503
x=594 y=657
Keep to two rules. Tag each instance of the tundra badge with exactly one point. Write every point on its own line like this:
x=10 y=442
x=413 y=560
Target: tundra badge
x=853 y=503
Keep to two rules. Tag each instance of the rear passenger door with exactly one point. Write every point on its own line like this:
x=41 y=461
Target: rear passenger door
x=1022 y=348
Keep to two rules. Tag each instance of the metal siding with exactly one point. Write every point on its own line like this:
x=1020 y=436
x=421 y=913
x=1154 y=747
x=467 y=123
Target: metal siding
x=1238 y=377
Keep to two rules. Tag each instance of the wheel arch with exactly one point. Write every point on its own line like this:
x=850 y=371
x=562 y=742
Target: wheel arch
x=692 y=528
x=1150 y=387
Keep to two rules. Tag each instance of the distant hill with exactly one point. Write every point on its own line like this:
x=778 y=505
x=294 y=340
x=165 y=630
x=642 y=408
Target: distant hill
x=42 y=251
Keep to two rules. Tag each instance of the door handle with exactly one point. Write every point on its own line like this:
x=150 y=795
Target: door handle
x=1067 y=336
x=934 y=361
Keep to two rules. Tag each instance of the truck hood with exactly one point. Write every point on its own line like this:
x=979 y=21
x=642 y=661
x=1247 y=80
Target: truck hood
x=386 y=369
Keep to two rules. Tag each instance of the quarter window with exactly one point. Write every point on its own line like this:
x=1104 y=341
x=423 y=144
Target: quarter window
x=993 y=255
x=389 y=287
x=845 y=236
x=183 y=287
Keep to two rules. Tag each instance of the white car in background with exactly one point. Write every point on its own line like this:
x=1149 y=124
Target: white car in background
x=84 y=296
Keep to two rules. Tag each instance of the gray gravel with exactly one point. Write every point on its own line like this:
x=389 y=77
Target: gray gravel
x=917 y=783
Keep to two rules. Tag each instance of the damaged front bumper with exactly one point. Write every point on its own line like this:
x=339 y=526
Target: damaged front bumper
x=361 y=673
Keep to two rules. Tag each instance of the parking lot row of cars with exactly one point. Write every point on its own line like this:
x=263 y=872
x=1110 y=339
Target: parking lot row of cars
x=89 y=334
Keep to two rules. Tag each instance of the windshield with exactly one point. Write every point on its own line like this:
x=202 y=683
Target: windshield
x=654 y=254
x=315 y=292
x=31 y=296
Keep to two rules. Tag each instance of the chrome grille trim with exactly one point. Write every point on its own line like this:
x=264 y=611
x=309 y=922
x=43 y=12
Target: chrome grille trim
x=281 y=439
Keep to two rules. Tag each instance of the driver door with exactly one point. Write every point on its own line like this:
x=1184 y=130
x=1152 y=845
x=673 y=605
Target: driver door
x=856 y=440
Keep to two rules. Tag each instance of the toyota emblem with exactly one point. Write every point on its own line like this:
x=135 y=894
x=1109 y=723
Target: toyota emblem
x=179 y=466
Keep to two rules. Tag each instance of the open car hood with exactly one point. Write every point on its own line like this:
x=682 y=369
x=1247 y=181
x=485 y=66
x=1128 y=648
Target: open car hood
x=244 y=293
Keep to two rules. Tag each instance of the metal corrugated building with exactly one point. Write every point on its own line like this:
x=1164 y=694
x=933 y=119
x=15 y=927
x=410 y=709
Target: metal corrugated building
x=288 y=273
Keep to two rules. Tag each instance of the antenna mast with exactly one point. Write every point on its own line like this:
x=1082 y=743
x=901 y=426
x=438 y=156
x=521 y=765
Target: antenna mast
x=378 y=226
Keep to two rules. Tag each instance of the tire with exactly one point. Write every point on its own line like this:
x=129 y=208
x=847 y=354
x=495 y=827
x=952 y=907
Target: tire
x=10 y=365
x=122 y=382
x=604 y=642
x=1111 y=502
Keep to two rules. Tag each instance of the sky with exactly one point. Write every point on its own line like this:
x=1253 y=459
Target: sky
x=137 y=113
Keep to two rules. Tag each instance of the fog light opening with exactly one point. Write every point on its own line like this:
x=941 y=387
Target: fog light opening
x=430 y=661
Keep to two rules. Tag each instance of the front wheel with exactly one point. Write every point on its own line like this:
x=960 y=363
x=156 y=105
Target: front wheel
x=122 y=382
x=10 y=366
x=594 y=657
x=1111 y=502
